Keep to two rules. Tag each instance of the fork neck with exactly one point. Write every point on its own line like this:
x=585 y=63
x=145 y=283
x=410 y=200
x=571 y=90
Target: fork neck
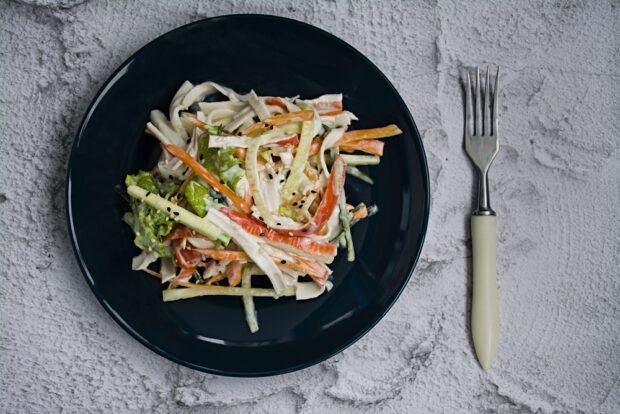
x=484 y=203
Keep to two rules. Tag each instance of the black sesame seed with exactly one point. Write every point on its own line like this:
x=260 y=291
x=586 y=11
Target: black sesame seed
x=148 y=193
x=261 y=234
x=270 y=176
x=168 y=209
x=176 y=213
x=295 y=203
x=281 y=180
x=293 y=193
x=283 y=261
x=313 y=192
x=288 y=173
x=239 y=133
x=271 y=127
x=278 y=224
x=260 y=218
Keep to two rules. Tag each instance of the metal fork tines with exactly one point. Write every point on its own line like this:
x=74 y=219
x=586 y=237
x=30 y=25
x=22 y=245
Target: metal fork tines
x=481 y=135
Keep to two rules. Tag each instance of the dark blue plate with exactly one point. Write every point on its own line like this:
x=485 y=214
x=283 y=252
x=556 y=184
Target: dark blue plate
x=274 y=56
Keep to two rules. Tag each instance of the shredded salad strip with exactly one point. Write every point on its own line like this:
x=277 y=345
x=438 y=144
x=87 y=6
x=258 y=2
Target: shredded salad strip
x=248 y=197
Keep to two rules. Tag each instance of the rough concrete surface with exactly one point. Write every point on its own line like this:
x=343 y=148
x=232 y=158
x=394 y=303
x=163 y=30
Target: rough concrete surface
x=555 y=183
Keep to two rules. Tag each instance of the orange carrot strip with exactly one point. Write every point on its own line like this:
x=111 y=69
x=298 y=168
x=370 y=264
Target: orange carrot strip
x=258 y=126
x=276 y=101
x=330 y=113
x=211 y=179
x=369 y=146
x=197 y=123
x=247 y=197
x=328 y=105
x=305 y=267
x=372 y=133
x=282 y=119
x=319 y=272
x=292 y=140
x=222 y=254
x=279 y=119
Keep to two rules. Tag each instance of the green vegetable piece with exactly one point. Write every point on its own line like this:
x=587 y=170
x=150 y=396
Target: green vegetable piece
x=353 y=160
x=286 y=212
x=232 y=176
x=356 y=172
x=176 y=213
x=143 y=179
x=265 y=155
x=158 y=185
x=150 y=225
x=221 y=162
x=197 y=196
x=167 y=187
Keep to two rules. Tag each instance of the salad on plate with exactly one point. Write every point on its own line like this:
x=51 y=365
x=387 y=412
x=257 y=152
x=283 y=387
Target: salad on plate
x=249 y=187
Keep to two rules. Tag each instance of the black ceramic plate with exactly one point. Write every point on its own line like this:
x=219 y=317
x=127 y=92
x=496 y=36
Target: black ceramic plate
x=274 y=56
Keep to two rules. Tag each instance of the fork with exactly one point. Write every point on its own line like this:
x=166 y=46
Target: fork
x=481 y=144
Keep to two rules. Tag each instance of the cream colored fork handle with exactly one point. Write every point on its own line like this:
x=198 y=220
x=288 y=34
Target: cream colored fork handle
x=484 y=308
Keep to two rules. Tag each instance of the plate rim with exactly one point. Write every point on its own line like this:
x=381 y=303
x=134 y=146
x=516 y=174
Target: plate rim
x=245 y=374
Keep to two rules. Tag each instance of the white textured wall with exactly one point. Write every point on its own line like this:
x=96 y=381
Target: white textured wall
x=556 y=187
